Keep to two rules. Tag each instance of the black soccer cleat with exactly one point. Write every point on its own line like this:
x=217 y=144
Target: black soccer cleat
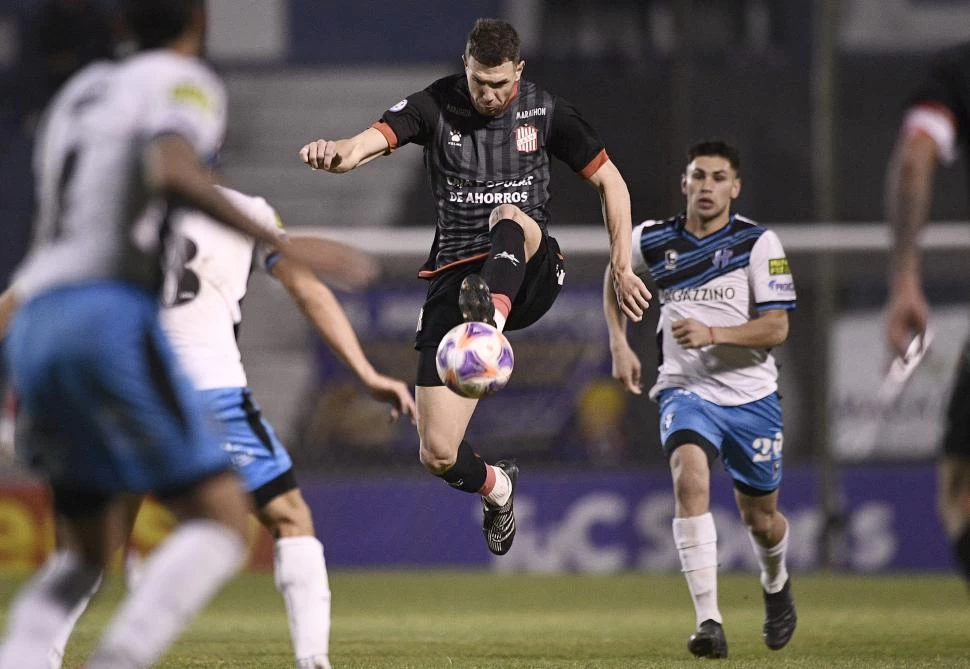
x=498 y=525
x=780 y=618
x=708 y=641
x=475 y=300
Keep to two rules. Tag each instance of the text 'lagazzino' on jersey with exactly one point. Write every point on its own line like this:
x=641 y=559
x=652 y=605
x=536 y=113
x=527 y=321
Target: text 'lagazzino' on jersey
x=702 y=294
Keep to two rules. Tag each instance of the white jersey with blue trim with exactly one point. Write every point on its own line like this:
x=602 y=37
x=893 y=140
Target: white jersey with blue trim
x=203 y=299
x=722 y=280
x=96 y=219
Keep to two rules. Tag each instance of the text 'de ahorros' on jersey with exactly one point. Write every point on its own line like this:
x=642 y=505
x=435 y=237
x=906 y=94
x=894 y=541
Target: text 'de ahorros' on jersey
x=477 y=197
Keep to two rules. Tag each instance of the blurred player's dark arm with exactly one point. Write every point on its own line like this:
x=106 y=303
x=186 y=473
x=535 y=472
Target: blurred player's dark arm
x=8 y=307
x=342 y=155
x=323 y=310
x=173 y=168
x=631 y=293
x=909 y=193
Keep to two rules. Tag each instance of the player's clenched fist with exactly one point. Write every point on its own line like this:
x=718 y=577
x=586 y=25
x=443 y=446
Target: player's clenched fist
x=323 y=154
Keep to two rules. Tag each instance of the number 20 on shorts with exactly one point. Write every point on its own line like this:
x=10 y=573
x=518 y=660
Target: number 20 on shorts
x=765 y=447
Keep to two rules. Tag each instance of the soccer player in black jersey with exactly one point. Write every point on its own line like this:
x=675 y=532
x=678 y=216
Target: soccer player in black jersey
x=488 y=136
x=936 y=125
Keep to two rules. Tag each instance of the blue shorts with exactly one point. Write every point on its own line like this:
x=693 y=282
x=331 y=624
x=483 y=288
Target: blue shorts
x=107 y=408
x=250 y=441
x=747 y=437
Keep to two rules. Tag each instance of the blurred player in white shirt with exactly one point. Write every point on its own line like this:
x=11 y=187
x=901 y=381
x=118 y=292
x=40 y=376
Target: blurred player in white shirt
x=202 y=316
x=725 y=292
x=109 y=410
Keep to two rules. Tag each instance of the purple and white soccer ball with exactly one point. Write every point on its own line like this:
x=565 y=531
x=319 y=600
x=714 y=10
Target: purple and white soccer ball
x=474 y=359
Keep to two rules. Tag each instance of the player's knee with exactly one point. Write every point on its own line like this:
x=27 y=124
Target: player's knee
x=506 y=212
x=759 y=522
x=288 y=516
x=436 y=455
x=219 y=498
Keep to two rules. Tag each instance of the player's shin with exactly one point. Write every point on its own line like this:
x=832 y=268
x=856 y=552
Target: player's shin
x=198 y=558
x=774 y=571
x=961 y=550
x=64 y=634
x=469 y=472
x=504 y=271
x=301 y=577
x=696 y=541
x=44 y=607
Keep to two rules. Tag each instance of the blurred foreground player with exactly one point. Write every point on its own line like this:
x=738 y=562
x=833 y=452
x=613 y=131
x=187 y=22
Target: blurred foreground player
x=935 y=128
x=725 y=292
x=202 y=318
x=110 y=412
x=488 y=138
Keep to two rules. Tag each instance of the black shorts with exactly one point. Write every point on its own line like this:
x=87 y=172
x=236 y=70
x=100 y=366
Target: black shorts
x=956 y=439
x=540 y=287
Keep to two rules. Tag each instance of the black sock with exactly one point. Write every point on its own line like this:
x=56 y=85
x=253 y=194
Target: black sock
x=961 y=550
x=504 y=270
x=468 y=473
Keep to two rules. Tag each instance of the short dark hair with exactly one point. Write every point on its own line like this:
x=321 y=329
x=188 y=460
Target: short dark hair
x=716 y=147
x=492 y=42
x=155 y=23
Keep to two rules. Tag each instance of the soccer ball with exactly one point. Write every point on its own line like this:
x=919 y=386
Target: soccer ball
x=474 y=359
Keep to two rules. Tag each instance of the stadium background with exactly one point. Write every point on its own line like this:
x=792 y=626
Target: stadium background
x=812 y=94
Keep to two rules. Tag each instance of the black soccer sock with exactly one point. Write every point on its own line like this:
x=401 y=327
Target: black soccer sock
x=468 y=473
x=504 y=270
x=961 y=550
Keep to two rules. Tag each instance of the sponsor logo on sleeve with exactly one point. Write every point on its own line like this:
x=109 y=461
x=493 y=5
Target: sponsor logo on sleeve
x=398 y=106
x=781 y=286
x=778 y=266
x=191 y=94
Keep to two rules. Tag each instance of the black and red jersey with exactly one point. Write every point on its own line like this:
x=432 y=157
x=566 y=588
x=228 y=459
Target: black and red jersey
x=475 y=162
x=946 y=86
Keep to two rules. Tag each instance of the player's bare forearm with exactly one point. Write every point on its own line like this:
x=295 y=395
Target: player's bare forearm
x=343 y=155
x=615 y=320
x=174 y=170
x=631 y=293
x=8 y=308
x=615 y=199
x=323 y=310
x=909 y=187
x=769 y=329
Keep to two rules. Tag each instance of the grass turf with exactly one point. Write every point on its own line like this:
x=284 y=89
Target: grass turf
x=472 y=620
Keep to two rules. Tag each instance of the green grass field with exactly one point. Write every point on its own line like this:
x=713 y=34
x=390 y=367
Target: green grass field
x=404 y=620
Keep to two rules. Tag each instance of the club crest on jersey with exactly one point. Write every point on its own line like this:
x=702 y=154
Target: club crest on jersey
x=454 y=138
x=527 y=138
x=722 y=257
x=670 y=259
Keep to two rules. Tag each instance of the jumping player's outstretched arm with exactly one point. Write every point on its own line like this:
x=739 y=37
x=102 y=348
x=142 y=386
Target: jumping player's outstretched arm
x=631 y=293
x=909 y=190
x=626 y=363
x=342 y=155
x=321 y=307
